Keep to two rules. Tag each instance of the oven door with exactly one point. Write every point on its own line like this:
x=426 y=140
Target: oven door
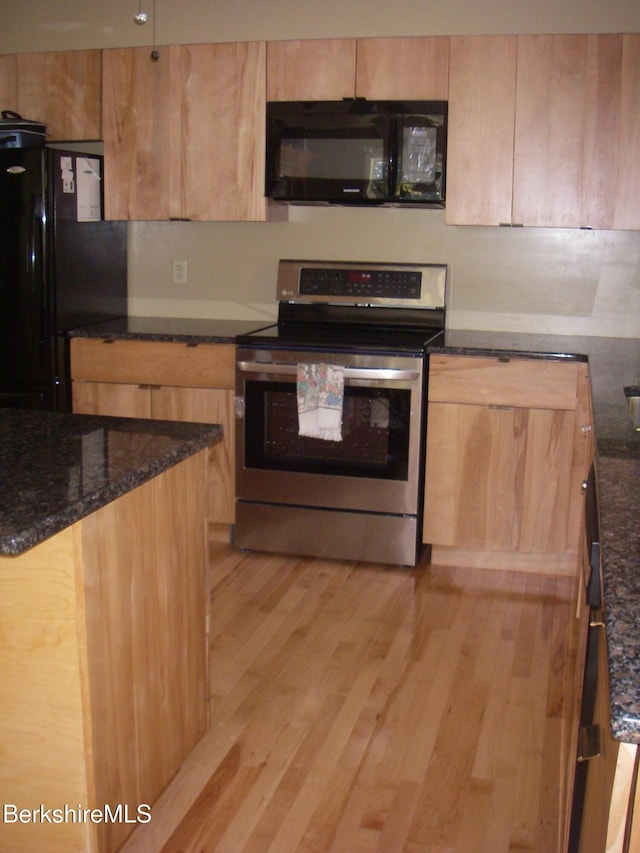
x=374 y=468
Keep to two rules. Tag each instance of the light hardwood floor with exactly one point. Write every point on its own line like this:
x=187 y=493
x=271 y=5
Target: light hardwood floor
x=360 y=708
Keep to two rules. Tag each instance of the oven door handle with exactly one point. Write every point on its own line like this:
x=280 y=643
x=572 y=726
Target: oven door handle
x=349 y=372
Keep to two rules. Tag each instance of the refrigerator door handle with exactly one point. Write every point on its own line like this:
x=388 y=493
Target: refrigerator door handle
x=37 y=293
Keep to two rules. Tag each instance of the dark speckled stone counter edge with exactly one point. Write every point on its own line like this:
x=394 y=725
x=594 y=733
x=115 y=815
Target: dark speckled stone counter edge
x=172 y=329
x=176 y=442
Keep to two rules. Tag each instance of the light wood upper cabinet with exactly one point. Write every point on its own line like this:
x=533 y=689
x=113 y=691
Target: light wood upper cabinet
x=578 y=131
x=62 y=90
x=627 y=175
x=544 y=131
x=569 y=151
x=141 y=118
x=311 y=70
x=184 y=136
x=222 y=87
x=9 y=82
x=550 y=128
x=414 y=68
x=482 y=93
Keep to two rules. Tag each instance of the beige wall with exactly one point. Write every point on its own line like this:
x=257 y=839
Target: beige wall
x=548 y=280
x=65 y=24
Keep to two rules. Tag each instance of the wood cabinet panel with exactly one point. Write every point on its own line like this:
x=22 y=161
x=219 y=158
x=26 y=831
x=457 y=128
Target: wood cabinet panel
x=62 y=89
x=550 y=127
x=104 y=688
x=542 y=131
x=498 y=479
x=414 y=68
x=509 y=444
x=41 y=693
x=111 y=398
x=482 y=91
x=165 y=380
x=569 y=145
x=602 y=151
x=222 y=89
x=206 y=405
x=141 y=118
x=184 y=136
x=628 y=172
x=9 y=82
x=311 y=70
x=524 y=383
x=144 y=569
x=577 y=133
x=153 y=362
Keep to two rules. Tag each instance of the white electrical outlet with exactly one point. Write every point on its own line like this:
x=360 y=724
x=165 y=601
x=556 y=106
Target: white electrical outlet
x=179 y=272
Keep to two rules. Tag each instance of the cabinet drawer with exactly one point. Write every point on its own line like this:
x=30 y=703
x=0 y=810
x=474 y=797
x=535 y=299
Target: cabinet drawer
x=525 y=383
x=153 y=362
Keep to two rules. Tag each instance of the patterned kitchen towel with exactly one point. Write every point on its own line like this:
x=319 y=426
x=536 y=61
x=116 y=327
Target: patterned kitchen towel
x=320 y=389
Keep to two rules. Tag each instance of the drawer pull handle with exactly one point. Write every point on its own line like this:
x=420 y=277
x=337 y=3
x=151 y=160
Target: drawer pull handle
x=495 y=408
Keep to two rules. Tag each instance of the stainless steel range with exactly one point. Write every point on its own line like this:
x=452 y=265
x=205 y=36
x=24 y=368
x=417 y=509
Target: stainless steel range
x=330 y=412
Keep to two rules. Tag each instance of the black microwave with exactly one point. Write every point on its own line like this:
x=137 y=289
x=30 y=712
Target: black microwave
x=356 y=151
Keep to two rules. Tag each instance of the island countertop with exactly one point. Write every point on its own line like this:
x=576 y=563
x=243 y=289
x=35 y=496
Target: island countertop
x=56 y=468
x=613 y=364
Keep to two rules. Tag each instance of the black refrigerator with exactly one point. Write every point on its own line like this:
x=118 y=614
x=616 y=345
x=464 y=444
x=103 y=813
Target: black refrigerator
x=62 y=267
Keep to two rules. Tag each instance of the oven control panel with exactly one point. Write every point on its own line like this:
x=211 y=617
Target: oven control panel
x=360 y=283
x=414 y=285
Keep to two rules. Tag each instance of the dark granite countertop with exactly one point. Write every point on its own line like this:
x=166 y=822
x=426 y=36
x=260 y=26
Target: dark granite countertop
x=169 y=329
x=613 y=364
x=58 y=468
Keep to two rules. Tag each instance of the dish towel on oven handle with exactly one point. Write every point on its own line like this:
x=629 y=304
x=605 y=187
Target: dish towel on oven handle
x=320 y=392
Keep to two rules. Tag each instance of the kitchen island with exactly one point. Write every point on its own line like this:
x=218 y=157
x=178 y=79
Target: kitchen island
x=103 y=658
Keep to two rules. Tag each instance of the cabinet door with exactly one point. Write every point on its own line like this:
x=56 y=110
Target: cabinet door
x=222 y=123
x=627 y=180
x=550 y=127
x=498 y=478
x=206 y=405
x=9 y=82
x=415 y=68
x=311 y=70
x=577 y=131
x=482 y=89
x=111 y=398
x=141 y=126
x=62 y=89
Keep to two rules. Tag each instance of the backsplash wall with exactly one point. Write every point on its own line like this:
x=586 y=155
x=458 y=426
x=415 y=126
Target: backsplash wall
x=559 y=281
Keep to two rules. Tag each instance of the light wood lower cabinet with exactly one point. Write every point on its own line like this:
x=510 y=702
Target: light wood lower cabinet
x=166 y=381
x=506 y=456
x=508 y=472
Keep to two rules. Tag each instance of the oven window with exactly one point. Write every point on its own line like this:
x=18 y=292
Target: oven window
x=375 y=433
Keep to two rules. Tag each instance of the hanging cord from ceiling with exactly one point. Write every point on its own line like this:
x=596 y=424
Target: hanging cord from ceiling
x=141 y=18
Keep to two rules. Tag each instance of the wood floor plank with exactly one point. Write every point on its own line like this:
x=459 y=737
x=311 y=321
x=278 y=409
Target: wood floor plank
x=357 y=707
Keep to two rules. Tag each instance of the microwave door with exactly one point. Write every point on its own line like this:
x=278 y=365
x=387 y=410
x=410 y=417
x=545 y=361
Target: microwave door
x=344 y=159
